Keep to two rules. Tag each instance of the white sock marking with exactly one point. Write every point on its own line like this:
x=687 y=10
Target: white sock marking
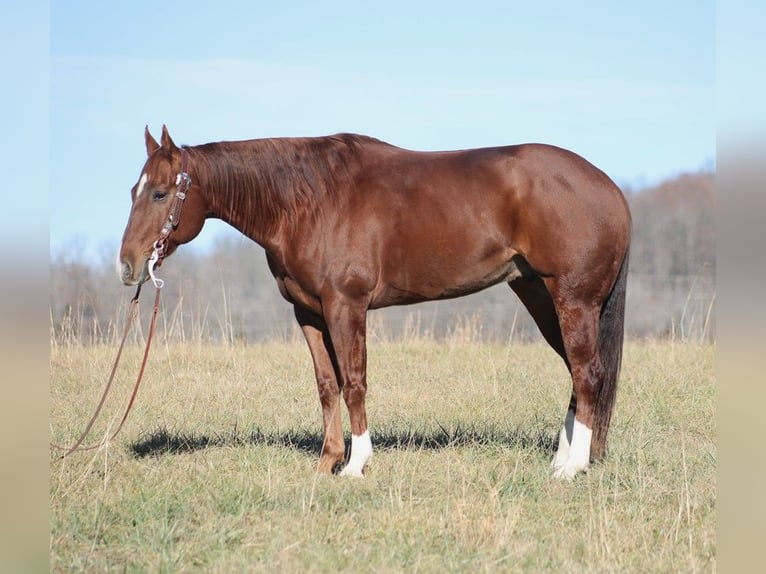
x=141 y=184
x=565 y=439
x=361 y=451
x=579 y=452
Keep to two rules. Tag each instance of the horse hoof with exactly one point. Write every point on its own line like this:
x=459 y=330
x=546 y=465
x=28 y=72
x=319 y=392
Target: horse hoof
x=562 y=474
x=567 y=472
x=351 y=472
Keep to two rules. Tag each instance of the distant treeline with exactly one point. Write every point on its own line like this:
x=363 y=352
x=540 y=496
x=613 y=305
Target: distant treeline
x=228 y=294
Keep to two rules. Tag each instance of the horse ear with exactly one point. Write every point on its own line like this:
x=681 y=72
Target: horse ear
x=151 y=143
x=167 y=143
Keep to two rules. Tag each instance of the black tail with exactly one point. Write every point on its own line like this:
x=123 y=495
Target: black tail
x=610 y=339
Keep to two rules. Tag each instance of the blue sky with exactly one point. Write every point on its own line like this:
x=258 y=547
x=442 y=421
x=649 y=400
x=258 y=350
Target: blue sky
x=630 y=86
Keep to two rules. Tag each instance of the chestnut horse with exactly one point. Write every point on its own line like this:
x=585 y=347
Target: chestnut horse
x=350 y=223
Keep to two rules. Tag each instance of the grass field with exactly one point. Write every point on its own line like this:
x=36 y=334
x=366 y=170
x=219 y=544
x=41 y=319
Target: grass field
x=214 y=470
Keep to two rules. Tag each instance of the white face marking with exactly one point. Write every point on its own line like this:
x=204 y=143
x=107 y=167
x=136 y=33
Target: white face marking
x=361 y=451
x=118 y=264
x=141 y=184
x=579 y=452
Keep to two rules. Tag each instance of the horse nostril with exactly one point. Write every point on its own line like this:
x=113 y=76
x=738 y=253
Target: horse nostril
x=126 y=272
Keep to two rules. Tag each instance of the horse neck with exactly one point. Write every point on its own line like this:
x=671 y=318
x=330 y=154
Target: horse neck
x=241 y=185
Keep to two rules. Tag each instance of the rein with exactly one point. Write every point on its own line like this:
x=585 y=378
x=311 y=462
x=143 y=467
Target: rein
x=159 y=252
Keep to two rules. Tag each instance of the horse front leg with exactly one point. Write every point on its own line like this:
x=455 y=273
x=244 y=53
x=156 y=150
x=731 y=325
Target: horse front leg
x=346 y=320
x=325 y=368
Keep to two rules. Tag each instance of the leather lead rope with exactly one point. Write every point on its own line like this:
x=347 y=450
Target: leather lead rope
x=131 y=315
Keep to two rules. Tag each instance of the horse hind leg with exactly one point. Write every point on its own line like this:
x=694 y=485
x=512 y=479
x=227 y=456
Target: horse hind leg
x=593 y=338
x=565 y=436
x=535 y=296
x=533 y=293
x=580 y=324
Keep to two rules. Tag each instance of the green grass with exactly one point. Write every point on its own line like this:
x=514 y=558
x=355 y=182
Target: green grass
x=214 y=471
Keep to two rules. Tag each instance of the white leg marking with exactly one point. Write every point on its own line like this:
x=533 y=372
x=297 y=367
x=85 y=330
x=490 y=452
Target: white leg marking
x=361 y=451
x=141 y=184
x=565 y=439
x=579 y=452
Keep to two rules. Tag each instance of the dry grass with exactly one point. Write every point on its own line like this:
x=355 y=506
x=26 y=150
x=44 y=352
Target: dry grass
x=214 y=471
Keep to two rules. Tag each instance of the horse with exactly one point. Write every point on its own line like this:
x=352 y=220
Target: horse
x=350 y=223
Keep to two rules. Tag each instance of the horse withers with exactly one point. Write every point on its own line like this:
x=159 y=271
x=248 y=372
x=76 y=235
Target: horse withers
x=350 y=223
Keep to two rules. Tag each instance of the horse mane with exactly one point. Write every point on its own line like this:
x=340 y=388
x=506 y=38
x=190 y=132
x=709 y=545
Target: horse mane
x=268 y=180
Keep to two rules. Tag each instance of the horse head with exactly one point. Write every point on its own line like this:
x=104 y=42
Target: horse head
x=154 y=198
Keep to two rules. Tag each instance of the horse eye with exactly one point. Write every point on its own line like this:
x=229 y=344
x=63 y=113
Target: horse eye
x=159 y=195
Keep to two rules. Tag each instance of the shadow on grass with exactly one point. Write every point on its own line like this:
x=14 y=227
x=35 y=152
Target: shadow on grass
x=164 y=442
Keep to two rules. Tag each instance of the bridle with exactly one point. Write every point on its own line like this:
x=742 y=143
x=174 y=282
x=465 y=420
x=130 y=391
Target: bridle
x=159 y=252
x=183 y=183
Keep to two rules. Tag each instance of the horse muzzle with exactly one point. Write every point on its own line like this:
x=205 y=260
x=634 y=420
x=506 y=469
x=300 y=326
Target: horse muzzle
x=129 y=275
